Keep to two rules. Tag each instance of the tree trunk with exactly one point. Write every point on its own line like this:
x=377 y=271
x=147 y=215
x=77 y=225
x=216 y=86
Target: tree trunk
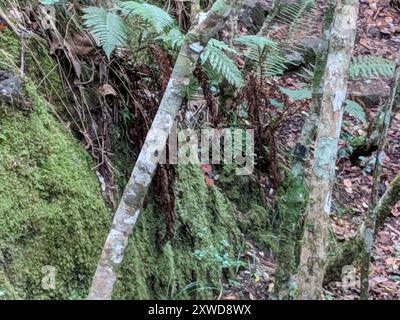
x=371 y=217
x=316 y=226
x=297 y=191
x=132 y=200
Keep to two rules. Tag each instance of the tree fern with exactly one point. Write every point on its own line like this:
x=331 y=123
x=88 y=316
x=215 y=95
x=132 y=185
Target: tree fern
x=214 y=55
x=106 y=27
x=371 y=66
x=156 y=17
x=356 y=111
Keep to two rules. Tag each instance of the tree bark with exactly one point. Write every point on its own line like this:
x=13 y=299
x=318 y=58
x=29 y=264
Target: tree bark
x=316 y=227
x=371 y=217
x=133 y=197
x=297 y=191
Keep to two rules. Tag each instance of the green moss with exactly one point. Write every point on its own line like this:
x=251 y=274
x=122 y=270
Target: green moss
x=192 y=264
x=38 y=65
x=51 y=210
x=236 y=186
x=255 y=216
x=292 y=200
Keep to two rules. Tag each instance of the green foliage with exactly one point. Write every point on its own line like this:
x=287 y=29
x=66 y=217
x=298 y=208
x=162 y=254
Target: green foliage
x=215 y=56
x=111 y=31
x=107 y=27
x=302 y=94
x=50 y=2
x=51 y=208
x=190 y=264
x=264 y=53
x=174 y=38
x=298 y=14
x=157 y=18
x=219 y=253
x=371 y=66
x=356 y=111
x=257 y=46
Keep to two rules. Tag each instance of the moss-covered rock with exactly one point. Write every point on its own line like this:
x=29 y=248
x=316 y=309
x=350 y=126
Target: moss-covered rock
x=255 y=216
x=205 y=245
x=51 y=210
x=53 y=216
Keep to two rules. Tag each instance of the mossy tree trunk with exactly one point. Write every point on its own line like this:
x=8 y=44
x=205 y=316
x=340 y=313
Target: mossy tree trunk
x=371 y=217
x=316 y=226
x=132 y=200
x=297 y=191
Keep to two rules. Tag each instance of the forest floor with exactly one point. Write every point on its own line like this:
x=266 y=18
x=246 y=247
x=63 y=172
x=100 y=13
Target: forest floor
x=378 y=34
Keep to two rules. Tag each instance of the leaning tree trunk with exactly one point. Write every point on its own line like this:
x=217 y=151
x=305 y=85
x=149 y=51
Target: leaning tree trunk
x=371 y=217
x=296 y=192
x=316 y=226
x=154 y=145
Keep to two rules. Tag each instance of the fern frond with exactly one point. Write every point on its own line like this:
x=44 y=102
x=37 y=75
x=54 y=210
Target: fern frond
x=50 y=2
x=296 y=95
x=300 y=17
x=106 y=27
x=275 y=63
x=153 y=15
x=371 y=66
x=174 y=38
x=264 y=53
x=216 y=58
x=255 y=42
x=356 y=111
x=296 y=12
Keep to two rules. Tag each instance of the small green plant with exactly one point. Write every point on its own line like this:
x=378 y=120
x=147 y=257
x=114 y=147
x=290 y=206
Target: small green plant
x=109 y=28
x=371 y=66
x=218 y=255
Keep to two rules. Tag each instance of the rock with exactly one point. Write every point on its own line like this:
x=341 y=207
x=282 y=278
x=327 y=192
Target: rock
x=374 y=32
x=309 y=48
x=9 y=83
x=252 y=16
x=372 y=93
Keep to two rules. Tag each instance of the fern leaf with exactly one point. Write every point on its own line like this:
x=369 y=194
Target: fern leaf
x=50 y=2
x=255 y=42
x=295 y=12
x=356 y=111
x=216 y=58
x=275 y=64
x=302 y=94
x=106 y=27
x=371 y=66
x=265 y=53
x=153 y=15
x=173 y=38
